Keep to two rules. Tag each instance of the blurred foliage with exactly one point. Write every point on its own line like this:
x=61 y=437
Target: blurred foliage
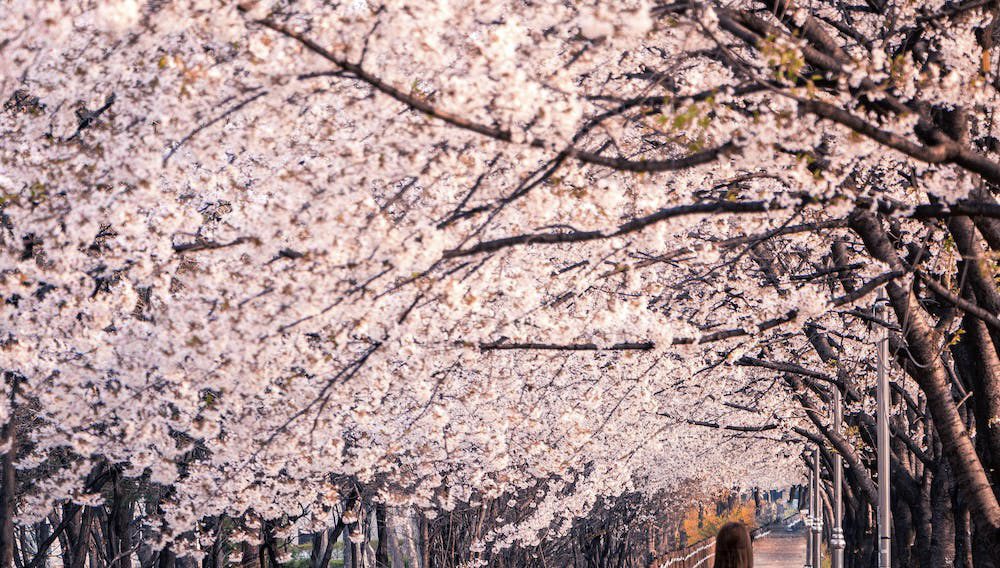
x=702 y=523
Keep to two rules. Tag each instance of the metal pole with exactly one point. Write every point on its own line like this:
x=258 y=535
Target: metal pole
x=817 y=528
x=807 y=522
x=882 y=393
x=837 y=542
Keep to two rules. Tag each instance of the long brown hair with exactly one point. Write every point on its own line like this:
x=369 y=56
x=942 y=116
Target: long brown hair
x=733 y=548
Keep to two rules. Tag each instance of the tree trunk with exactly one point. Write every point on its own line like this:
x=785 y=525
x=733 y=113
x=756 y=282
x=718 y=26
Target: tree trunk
x=319 y=556
x=923 y=519
x=942 y=549
x=382 y=551
x=8 y=477
x=902 y=532
x=167 y=559
x=425 y=545
x=119 y=519
x=78 y=533
x=963 y=533
x=251 y=556
x=985 y=383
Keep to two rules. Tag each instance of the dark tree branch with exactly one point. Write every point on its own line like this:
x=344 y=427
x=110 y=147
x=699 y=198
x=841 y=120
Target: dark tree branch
x=960 y=303
x=790 y=368
x=222 y=116
x=500 y=345
x=868 y=288
x=713 y=207
x=761 y=428
x=200 y=245
x=495 y=132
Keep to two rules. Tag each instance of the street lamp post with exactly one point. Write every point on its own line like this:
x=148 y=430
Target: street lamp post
x=837 y=542
x=817 y=527
x=882 y=395
x=806 y=512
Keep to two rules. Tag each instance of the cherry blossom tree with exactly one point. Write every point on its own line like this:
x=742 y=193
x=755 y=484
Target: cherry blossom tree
x=352 y=269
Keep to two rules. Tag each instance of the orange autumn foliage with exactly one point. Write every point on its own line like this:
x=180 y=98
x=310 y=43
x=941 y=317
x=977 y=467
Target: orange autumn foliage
x=709 y=524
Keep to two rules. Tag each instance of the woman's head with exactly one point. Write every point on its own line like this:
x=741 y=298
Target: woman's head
x=733 y=548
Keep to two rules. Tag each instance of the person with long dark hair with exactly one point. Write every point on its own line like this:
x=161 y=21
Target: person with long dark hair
x=733 y=547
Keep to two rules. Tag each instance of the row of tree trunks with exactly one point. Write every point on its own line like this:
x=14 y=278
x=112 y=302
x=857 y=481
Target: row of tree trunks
x=940 y=489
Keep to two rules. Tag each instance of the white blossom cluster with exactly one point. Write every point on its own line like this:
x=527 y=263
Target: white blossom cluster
x=230 y=265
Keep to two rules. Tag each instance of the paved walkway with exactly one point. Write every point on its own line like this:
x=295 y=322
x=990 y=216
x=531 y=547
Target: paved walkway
x=780 y=549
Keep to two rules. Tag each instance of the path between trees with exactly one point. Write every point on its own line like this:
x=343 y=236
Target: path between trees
x=780 y=549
